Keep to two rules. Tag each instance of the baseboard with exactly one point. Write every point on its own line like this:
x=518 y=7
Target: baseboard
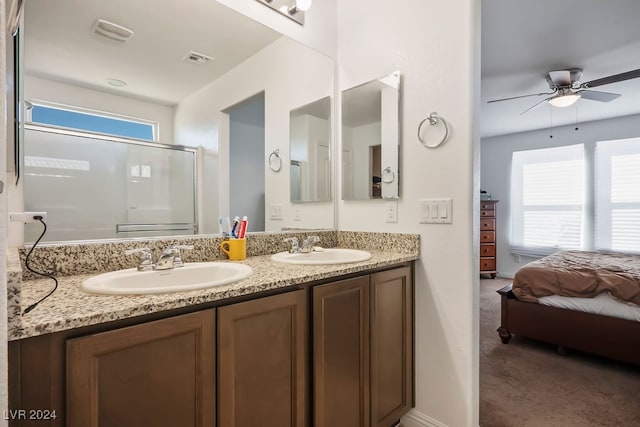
x=417 y=419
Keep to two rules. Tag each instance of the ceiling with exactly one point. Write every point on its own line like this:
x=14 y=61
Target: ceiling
x=59 y=44
x=522 y=40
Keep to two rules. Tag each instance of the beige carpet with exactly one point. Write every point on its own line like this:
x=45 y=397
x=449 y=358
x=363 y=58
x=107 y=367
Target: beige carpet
x=528 y=384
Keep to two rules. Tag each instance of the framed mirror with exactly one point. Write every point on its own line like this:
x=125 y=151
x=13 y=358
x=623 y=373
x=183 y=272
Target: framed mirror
x=371 y=140
x=310 y=148
x=200 y=79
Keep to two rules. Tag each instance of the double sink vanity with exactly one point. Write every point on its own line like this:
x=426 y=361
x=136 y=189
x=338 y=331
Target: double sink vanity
x=323 y=338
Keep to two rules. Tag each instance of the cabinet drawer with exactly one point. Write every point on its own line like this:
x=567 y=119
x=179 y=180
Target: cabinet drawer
x=487 y=224
x=487 y=213
x=487 y=236
x=487 y=250
x=488 y=205
x=487 y=264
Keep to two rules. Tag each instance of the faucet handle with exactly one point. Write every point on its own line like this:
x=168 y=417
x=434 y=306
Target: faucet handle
x=294 y=244
x=177 y=257
x=311 y=240
x=146 y=262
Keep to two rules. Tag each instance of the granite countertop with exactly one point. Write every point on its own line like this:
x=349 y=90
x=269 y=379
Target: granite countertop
x=69 y=307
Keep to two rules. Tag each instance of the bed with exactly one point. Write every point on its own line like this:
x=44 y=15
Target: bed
x=569 y=276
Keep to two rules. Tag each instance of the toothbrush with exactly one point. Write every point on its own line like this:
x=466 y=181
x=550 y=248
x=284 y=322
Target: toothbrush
x=243 y=228
x=234 y=228
x=220 y=225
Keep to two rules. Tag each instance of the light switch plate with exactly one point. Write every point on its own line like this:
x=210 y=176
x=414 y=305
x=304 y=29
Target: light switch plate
x=435 y=211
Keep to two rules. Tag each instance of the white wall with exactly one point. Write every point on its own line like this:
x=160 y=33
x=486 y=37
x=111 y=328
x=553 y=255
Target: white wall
x=291 y=75
x=496 y=168
x=318 y=32
x=37 y=88
x=435 y=47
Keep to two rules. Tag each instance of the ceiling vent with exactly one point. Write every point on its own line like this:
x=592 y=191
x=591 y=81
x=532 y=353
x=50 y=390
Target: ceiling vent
x=197 y=58
x=111 y=31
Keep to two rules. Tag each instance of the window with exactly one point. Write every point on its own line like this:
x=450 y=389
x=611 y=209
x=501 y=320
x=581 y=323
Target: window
x=617 y=219
x=547 y=200
x=94 y=122
x=548 y=192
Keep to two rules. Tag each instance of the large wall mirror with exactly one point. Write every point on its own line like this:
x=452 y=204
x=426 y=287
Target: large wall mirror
x=310 y=148
x=370 y=140
x=185 y=104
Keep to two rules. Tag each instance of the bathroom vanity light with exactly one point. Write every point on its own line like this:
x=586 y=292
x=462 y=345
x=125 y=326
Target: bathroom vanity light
x=292 y=9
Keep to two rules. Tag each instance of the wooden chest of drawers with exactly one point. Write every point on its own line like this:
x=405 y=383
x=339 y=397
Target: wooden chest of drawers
x=488 y=251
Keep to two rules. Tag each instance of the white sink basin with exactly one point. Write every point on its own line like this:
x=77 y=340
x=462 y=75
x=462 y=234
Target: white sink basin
x=326 y=256
x=195 y=275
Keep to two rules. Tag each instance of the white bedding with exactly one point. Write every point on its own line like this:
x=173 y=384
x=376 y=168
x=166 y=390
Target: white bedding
x=602 y=303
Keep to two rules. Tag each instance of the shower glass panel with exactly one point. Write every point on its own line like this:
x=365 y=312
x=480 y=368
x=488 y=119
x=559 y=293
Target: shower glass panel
x=94 y=187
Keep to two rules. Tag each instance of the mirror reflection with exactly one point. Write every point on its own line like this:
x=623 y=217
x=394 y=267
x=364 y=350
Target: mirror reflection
x=370 y=139
x=184 y=74
x=310 y=142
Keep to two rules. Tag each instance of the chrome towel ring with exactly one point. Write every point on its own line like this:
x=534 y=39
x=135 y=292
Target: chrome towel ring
x=433 y=119
x=388 y=176
x=275 y=162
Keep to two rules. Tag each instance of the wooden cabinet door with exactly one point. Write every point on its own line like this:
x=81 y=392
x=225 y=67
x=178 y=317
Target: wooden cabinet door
x=262 y=362
x=341 y=353
x=391 y=345
x=160 y=373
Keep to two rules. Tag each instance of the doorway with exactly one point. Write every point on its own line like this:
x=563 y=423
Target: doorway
x=246 y=161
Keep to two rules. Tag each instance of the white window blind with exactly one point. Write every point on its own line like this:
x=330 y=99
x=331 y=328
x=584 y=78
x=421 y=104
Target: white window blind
x=617 y=220
x=547 y=200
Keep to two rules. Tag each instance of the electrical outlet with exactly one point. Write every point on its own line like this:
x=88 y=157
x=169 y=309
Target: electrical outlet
x=296 y=214
x=27 y=216
x=392 y=211
x=276 y=212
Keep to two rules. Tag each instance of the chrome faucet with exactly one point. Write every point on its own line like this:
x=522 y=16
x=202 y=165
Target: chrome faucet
x=169 y=259
x=307 y=244
x=294 y=245
x=146 y=263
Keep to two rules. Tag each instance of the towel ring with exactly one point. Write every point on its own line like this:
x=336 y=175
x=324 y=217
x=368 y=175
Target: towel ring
x=275 y=162
x=388 y=176
x=433 y=119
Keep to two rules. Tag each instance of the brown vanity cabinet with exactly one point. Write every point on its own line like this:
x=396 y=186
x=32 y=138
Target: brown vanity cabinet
x=391 y=346
x=262 y=370
x=321 y=355
x=160 y=373
x=341 y=353
x=363 y=350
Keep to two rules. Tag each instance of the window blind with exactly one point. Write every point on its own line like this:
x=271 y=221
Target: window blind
x=547 y=200
x=617 y=179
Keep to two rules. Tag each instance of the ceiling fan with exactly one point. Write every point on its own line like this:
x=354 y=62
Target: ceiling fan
x=566 y=88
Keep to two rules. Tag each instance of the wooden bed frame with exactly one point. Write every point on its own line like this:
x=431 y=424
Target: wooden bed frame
x=611 y=337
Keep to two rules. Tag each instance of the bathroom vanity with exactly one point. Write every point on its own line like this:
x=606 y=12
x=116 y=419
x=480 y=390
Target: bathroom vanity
x=328 y=345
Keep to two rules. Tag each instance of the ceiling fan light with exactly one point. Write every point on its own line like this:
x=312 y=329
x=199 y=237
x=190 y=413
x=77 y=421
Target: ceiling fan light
x=564 y=100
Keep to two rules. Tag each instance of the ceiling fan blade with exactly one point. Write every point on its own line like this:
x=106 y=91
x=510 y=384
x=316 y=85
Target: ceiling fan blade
x=534 y=106
x=634 y=74
x=520 y=96
x=595 y=95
